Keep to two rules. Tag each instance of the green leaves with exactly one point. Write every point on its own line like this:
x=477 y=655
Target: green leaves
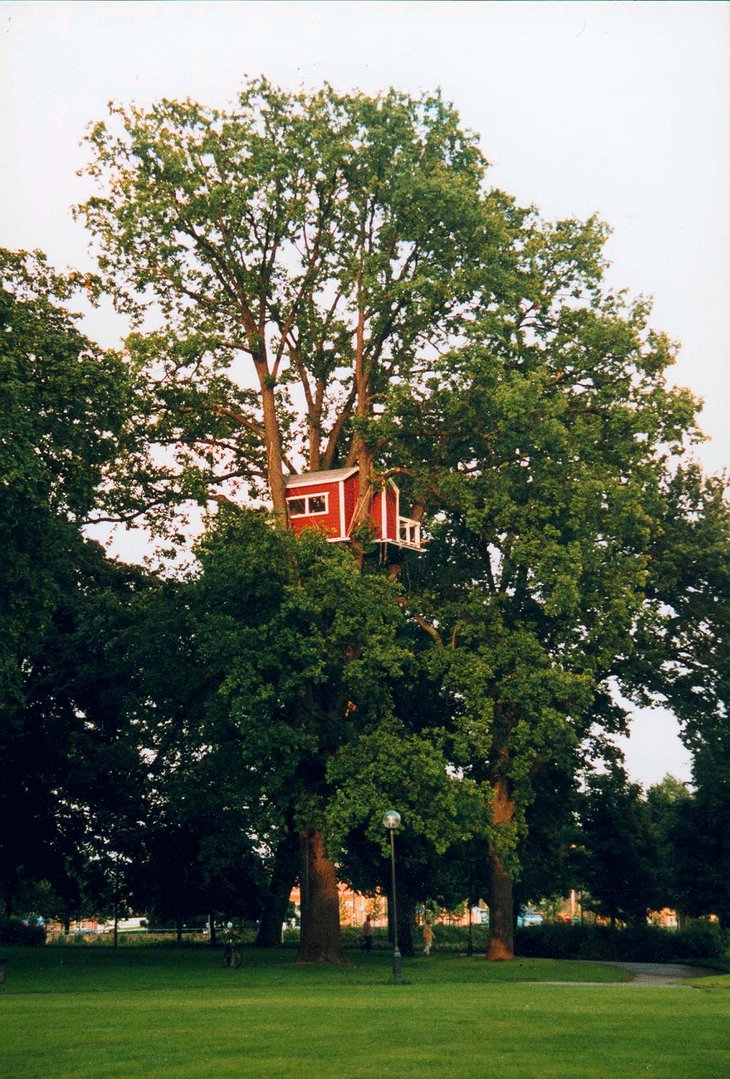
x=390 y=766
x=322 y=238
x=64 y=399
x=301 y=645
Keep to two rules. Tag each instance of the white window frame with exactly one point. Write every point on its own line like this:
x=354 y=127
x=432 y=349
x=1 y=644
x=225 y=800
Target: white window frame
x=306 y=499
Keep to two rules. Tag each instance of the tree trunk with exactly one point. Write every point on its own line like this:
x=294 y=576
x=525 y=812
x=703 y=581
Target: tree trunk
x=320 y=939
x=501 y=917
x=360 y=454
x=286 y=864
x=272 y=438
x=501 y=914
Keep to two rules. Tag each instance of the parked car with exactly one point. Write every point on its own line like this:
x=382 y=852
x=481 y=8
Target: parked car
x=529 y=917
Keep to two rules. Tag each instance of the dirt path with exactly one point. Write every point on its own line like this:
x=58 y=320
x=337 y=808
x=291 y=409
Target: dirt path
x=662 y=975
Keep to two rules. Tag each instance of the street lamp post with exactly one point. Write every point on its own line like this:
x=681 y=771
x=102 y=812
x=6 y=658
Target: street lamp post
x=391 y=820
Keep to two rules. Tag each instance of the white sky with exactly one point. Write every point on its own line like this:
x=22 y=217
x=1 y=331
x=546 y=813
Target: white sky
x=615 y=108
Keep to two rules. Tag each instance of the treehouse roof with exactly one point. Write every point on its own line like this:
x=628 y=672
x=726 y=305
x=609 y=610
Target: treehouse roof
x=330 y=476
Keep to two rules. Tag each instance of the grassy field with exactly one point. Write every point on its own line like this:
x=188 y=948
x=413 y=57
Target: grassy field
x=87 y=1012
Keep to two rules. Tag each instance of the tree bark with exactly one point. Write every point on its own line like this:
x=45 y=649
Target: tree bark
x=272 y=437
x=501 y=918
x=501 y=913
x=321 y=941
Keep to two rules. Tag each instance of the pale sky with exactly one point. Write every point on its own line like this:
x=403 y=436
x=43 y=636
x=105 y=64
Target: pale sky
x=615 y=108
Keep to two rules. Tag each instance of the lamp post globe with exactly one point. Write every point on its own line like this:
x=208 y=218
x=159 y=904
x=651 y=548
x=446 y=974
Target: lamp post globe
x=391 y=820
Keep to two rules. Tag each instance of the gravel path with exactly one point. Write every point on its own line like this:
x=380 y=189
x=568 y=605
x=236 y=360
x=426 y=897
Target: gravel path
x=662 y=975
x=658 y=975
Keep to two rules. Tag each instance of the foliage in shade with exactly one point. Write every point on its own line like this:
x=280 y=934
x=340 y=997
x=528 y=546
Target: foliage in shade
x=637 y=944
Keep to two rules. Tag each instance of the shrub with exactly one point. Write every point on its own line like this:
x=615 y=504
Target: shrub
x=639 y=944
x=15 y=932
x=352 y=935
x=455 y=938
x=701 y=940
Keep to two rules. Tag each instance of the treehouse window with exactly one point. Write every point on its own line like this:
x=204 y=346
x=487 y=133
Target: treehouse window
x=307 y=506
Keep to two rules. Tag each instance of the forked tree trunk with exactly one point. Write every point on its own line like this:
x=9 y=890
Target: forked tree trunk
x=321 y=941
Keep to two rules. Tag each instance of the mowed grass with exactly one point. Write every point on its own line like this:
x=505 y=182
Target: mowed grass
x=85 y=1011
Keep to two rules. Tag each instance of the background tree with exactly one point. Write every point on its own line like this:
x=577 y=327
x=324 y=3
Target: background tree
x=63 y=426
x=546 y=851
x=700 y=833
x=669 y=805
x=684 y=661
x=540 y=446
x=390 y=764
x=65 y=406
x=621 y=851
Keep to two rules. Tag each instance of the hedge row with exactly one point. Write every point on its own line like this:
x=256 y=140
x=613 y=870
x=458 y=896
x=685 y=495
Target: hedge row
x=643 y=944
x=15 y=932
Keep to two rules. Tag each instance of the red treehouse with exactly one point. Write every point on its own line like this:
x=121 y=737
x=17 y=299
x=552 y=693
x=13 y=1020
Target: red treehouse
x=327 y=501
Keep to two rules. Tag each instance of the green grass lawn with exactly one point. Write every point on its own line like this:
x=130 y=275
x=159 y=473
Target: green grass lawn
x=86 y=1012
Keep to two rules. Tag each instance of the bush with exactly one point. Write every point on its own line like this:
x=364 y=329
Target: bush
x=702 y=940
x=449 y=938
x=15 y=932
x=352 y=935
x=640 y=944
x=455 y=938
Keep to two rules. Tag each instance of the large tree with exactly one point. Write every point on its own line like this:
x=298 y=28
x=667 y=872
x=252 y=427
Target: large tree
x=300 y=651
x=543 y=448
x=306 y=252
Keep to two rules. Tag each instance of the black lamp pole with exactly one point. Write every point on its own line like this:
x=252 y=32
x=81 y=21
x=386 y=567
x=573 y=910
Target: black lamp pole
x=391 y=820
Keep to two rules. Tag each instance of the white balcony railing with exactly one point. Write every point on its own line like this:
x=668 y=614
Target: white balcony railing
x=409 y=532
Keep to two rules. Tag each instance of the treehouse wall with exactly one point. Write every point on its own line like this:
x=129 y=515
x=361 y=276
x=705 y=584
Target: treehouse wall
x=328 y=519
x=327 y=501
